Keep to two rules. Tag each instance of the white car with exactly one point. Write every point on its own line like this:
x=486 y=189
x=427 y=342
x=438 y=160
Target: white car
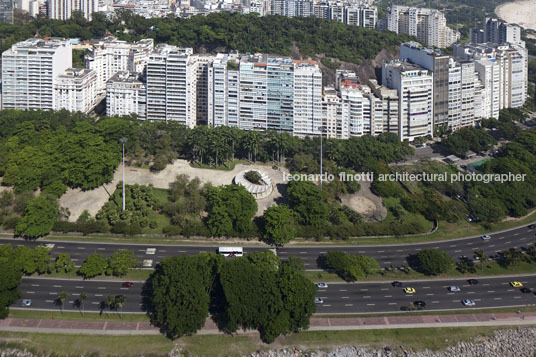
x=26 y=302
x=486 y=237
x=468 y=302
x=321 y=285
x=454 y=288
x=319 y=300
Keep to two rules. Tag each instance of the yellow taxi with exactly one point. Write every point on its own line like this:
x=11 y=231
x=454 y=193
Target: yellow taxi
x=516 y=284
x=409 y=290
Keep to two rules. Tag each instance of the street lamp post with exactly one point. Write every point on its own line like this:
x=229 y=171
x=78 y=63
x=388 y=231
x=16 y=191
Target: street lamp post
x=321 y=135
x=123 y=141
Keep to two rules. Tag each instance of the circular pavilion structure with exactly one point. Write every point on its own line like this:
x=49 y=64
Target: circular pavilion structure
x=259 y=190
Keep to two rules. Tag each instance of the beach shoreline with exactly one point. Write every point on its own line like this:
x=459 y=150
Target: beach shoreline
x=522 y=12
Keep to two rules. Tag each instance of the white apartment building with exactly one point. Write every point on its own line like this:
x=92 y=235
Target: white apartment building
x=75 y=90
x=454 y=94
x=467 y=111
x=125 y=95
x=428 y=25
x=414 y=87
x=334 y=115
x=253 y=94
x=29 y=71
x=171 y=85
x=389 y=106
x=217 y=97
x=489 y=74
x=63 y=9
x=512 y=63
x=307 y=98
x=109 y=56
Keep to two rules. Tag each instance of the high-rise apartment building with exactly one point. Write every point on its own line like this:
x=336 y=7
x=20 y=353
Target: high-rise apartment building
x=389 y=106
x=75 y=90
x=110 y=56
x=29 y=72
x=437 y=62
x=307 y=98
x=428 y=25
x=489 y=74
x=414 y=86
x=6 y=11
x=171 y=85
x=498 y=31
x=125 y=95
x=280 y=93
x=63 y=9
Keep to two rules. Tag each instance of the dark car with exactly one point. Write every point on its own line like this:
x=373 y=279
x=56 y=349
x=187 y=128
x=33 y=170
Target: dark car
x=419 y=304
x=128 y=284
x=397 y=284
x=532 y=226
x=525 y=290
x=472 y=281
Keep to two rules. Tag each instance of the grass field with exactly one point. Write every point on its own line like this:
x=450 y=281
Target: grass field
x=71 y=315
x=239 y=345
x=133 y=274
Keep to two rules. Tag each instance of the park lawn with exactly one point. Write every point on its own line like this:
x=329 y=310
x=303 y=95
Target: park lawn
x=406 y=217
x=76 y=345
x=76 y=316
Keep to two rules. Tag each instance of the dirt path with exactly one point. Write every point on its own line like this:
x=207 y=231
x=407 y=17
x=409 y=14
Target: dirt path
x=366 y=203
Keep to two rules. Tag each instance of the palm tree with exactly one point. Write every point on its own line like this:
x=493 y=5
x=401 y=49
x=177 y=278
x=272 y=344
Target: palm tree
x=119 y=301
x=61 y=299
x=109 y=303
x=482 y=257
x=81 y=300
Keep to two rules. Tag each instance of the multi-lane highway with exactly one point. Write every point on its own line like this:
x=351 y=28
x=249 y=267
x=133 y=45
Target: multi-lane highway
x=365 y=297
x=384 y=254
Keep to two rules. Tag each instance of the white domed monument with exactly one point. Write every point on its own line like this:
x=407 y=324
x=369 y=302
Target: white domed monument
x=256 y=182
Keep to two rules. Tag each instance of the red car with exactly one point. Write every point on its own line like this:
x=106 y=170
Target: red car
x=128 y=284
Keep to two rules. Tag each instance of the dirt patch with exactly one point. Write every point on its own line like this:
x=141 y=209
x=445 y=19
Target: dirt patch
x=366 y=203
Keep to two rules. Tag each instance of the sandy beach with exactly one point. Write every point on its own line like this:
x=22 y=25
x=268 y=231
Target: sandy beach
x=521 y=12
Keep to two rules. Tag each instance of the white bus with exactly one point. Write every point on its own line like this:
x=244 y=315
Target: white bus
x=231 y=251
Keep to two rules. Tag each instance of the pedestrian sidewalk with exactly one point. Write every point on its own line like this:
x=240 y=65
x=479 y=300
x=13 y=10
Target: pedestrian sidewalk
x=316 y=324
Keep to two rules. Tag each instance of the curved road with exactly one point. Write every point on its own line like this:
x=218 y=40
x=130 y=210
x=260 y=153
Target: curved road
x=386 y=255
x=338 y=298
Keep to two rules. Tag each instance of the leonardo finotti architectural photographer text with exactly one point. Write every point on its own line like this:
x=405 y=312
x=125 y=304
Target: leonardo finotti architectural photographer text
x=407 y=176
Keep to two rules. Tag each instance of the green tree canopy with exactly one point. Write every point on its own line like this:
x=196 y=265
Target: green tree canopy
x=434 y=262
x=38 y=218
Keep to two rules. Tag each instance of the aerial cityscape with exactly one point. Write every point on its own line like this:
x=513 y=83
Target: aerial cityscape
x=268 y=178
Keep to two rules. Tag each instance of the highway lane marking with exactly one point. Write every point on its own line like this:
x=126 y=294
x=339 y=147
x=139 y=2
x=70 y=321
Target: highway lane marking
x=435 y=302
x=381 y=251
x=501 y=238
x=162 y=250
x=429 y=294
x=485 y=284
x=306 y=264
x=51 y=293
x=385 y=289
x=450 y=293
x=81 y=248
x=49 y=300
x=101 y=287
x=95 y=303
x=478 y=299
x=76 y=294
x=79 y=287
x=141 y=250
x=323 y=252
x=400 y=250
x=371 y=304
x=101 y=248
x=523 y=238
x=183 y=251
x=387 y=262
x=517 y=297
x=491 y=246
x=74 y=260
x=61 y=247
x=515 y=234
x=343 y=290
x=388 y=296
x=426 y=287
x=497 y=298
x=455 y=300
x=383 y=256
x=345 y=297
x=508 y=242
x=366 y=297
x=326 y=305
x=57 y=286
x=361 y=251
x=392 y=303
x=98 y=294
x=510 y=290
x=470 y=292
x=348 y=304
x=470 y=243
x=123 y=288
x=303 y=252
x=30 y=292
x=363 y=289
x=452 y=246
x=491 y=291
x=457 y=251
x=35 y=284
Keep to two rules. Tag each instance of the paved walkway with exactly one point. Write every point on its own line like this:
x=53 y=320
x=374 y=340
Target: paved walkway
x=317 y=324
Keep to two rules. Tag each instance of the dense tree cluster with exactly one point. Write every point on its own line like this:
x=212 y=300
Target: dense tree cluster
x=350 y=267
x=224 y=30
x=433 y=262
x=257 y=291
x=118 y=264
x=463 y=140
